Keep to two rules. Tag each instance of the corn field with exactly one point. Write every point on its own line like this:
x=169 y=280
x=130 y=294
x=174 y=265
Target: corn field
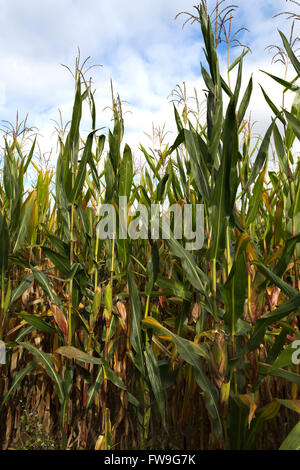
x=140 y=343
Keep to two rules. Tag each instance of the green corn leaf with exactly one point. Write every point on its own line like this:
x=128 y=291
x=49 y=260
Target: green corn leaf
x=280 y=150
x=160 y=191
x=91 y=162
x=239 y=413
x=62 y=248
x=136 y=338
x=177 y=119
x=112 y=376
x=43 y=281
x=23 y=230
x=283 y=359
x=47 y=361
x=266 y=413
x=149 y=158
x=74 y=353
x=174 y=288
x=187 y=351
x=238 y=84
x=226 y=88
x=152 y=269
x=272 y=106
x=75 y=122
x=238 y=60
x=292 y=441
x=293 y=126
x=155 y=381
x=261 y=157
x=61 y=262
x=215 y=108
x=182 y=344
x=110 y=179
x=267 y=369
x=198 y=166
x=207 y=79
x=223 y=195
x=287 y=253
x=80 y=177
x=126 y=173
x=234 y=290
x=38 y=323
x=94 y=388
x=284 y=286
x=100 y=146
x=292 y=57
x=189 y=265
x=288 y=85
x=296 y=207
x=68 y=380
x=293 y=405
x=256 y=199
x=294 y=123
x=24 y=332
x=30 y=155
x=262 y=324
x=4 y=244
x=277 y=346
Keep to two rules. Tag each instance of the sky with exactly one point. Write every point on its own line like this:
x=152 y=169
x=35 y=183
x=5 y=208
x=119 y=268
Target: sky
x=141 y=48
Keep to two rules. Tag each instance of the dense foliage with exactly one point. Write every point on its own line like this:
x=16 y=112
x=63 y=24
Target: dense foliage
x=136 y=344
